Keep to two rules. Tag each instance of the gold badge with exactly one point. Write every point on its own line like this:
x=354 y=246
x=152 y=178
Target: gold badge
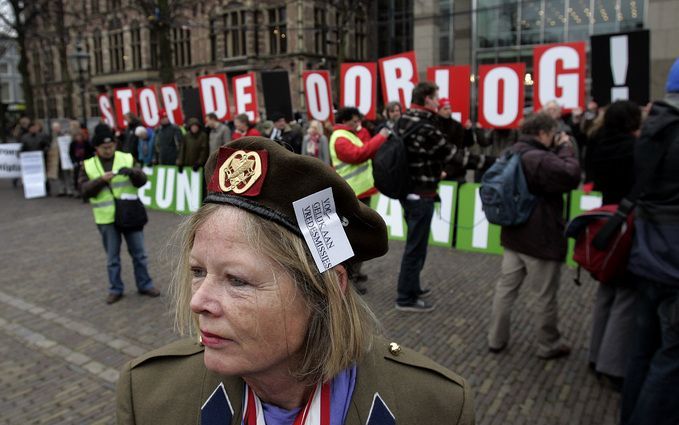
x=240 y=171
x=394 y=348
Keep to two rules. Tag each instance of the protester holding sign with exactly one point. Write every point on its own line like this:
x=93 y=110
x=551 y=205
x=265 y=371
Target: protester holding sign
x=351 y=157
x=104 y=179
x=243 y=127
x=283 y=337
x=428 y=152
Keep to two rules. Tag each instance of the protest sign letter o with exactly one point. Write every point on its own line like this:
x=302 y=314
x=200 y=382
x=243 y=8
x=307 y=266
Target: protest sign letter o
x=505 y=114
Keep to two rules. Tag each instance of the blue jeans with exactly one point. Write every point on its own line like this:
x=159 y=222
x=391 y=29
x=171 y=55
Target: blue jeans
x=418 y=215
x=111 y=237
x=650 y=394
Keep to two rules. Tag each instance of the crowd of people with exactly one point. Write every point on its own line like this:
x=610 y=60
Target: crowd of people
x=634 y=338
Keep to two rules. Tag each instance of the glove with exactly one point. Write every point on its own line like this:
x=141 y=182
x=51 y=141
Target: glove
x=196 y=166
x=125 y=171
x=180 y=169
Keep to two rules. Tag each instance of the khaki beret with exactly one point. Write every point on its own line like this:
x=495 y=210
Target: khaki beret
x=262 y=177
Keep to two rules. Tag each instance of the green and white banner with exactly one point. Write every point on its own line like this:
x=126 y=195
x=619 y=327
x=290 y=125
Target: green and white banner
x=169 y=190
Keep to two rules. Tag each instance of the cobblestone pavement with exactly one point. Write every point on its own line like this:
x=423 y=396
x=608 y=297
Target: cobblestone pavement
x=61 y=345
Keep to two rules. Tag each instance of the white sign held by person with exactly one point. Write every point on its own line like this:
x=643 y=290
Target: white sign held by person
x=33 y=174
x=64 y=149
x=323 y=229
x=10 y=168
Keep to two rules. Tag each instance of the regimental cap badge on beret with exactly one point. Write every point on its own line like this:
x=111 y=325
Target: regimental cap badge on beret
x=240 y=172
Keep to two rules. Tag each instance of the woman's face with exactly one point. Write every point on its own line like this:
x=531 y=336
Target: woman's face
x=252 y=317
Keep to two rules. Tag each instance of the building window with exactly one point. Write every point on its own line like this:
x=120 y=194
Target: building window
x=114 y=4
x=320 y=31
x=4 y=68
x=445 y=30
x=94 y=105
x=48 y=64
x=116 y=51
x=359 y=47
x=257 y=18
x=154 y=50
x=52 y=109
x=181 y=46
x=98 y=53
x=40 y=108
x=213 y=40
x=135 y=33
x=116 y=48
x=278 y=41
x=4 y=92
x=37 y=69
x=94 y=6
x=395 y=27
x=234 y=34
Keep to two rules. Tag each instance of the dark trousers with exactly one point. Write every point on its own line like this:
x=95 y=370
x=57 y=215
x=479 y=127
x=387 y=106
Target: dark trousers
x=418 y=215
x=650 y=394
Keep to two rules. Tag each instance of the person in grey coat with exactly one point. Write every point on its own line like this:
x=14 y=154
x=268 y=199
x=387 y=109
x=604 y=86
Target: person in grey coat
x=219 y=133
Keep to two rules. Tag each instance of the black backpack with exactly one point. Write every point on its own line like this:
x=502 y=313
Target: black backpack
x=390 y=164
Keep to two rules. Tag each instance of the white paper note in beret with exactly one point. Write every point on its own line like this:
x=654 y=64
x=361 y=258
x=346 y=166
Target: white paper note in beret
x=322 y=229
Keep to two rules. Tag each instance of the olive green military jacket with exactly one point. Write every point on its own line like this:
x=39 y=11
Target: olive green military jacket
x=169 y=385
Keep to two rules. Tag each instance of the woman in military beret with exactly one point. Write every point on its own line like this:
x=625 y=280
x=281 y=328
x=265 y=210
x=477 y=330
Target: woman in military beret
x=280 y=337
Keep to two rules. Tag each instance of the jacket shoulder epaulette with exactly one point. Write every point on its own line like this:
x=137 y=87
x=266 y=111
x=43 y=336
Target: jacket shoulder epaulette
x=181 y=348
x=406 y=356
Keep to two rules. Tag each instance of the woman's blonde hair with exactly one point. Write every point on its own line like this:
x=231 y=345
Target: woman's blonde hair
x=341 y=325
x=315 y=124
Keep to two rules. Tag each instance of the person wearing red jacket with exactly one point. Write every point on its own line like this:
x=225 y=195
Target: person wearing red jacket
x=351 y=158
x=243 y=128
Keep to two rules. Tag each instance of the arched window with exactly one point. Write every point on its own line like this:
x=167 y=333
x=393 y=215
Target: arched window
x=135 y=36
x=116 y=46
x=98 y=52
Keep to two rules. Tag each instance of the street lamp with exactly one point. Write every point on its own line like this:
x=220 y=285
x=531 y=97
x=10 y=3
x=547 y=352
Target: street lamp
x=80 y=60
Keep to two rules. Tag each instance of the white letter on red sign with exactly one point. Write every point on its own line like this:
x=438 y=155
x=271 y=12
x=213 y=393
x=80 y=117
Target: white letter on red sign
x=560 y=75
x=501 y=95
x=106 y=110
x=358 y=87
x=123 y=99
x=453 y=83
x=245 y=95
x=148 y=105
x=318 y=97
x=214 y=95
x=399 y=76
x=171 y=103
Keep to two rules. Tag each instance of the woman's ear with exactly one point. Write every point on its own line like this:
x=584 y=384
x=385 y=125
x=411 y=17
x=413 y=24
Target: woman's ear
x=343 y=277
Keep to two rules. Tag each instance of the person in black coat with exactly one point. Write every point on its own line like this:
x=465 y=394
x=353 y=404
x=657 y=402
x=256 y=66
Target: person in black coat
x=610 y=166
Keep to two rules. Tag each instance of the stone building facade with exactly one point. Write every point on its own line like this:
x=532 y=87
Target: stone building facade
x=211 y=36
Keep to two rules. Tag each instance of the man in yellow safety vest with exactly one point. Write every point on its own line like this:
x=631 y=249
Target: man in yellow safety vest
x=108 y=175
x=351 y=158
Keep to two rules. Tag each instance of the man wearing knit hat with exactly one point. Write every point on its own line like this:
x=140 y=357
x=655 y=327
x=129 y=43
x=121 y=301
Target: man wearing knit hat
x=650 y=393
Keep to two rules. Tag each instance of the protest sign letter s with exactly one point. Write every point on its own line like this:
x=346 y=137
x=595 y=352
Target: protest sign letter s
x=318 y=96
x=358 y=87
x=245 y=95
x=106 y=110
x=453 y=83
x=123 y=100
x=172 y=105
x=398 y=76
x=214 y=95
x=501 y=95
x=148 y=106
x=560 y=75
